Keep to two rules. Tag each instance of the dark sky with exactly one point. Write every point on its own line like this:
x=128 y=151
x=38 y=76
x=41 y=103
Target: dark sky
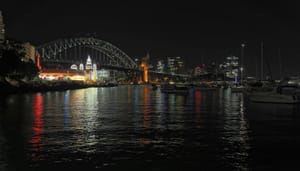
x=202 y=31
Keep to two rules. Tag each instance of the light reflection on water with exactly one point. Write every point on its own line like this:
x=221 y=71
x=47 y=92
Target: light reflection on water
x=137 y=127
x=37 y=127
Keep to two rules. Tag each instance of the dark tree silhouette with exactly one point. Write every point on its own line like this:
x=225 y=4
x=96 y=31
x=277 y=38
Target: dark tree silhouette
x=13 y=63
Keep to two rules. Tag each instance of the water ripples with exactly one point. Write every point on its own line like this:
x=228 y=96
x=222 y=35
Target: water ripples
x=134 y=127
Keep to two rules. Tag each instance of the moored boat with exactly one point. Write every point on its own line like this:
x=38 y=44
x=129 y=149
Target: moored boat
x=273 y=97
x=205 y=88
x=174 y=89
x=236 y=89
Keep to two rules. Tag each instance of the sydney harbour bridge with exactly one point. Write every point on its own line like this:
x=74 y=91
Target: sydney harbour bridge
x=63 y=53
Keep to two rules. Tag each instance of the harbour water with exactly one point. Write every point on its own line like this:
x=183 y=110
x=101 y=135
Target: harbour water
x=136 y=128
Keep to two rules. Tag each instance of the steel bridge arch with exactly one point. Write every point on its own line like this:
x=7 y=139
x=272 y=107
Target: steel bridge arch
x=50 y=51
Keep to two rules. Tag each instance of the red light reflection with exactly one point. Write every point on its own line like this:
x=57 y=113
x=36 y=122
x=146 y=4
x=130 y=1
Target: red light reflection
x=198 y=109
x=37 y=127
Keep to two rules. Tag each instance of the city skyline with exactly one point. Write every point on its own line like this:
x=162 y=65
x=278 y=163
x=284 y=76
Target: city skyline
x=203 y=32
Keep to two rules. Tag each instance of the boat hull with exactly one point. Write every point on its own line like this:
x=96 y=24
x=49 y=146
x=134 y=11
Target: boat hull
x=173 y=89
x=274 y=98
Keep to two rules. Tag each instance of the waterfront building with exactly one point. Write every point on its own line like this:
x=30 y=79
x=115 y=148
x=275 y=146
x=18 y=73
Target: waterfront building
x=88 y=65
x=103 y=75
x=231 y=67
x=81 y=67
x=74 y=67
x=94 y=75
x=90 y=69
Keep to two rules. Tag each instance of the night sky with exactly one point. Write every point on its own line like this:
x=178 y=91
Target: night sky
x=198 y=32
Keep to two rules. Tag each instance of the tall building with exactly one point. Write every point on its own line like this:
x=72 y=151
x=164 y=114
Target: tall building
x=171 y=65
x=160 y=67
x=179 y=65
x=89 y=68
x=175 y=65
x=2 y=30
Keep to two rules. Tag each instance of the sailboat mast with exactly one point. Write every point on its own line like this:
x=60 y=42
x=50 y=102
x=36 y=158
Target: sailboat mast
x=262 y=61
x=242 y=62
x=280 y=63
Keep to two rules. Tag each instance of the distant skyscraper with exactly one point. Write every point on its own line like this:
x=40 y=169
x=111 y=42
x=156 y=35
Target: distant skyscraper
x=2 y=31
x=179 y=65
x=175 y=65
x=171 y=65
x=231 y=66
x=160 y=66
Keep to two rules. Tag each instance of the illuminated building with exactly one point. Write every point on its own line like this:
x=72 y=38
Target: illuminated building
x=81 y=67
x=88 y=65
x=175 y=65
x=53 y=74
x=89 y=68
x=94 y=73
x=103 y=74
x=160 y=67
x=74 y=67
x=179 y=65
x=231 y=67
x=171 y=65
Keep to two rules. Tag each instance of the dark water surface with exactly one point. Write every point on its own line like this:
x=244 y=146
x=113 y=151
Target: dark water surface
x=137 y=128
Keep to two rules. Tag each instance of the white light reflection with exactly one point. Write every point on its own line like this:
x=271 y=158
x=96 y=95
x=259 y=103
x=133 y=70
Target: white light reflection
x=236 y=130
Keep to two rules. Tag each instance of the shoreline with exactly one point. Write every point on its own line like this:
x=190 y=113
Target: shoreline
x=39 y=86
